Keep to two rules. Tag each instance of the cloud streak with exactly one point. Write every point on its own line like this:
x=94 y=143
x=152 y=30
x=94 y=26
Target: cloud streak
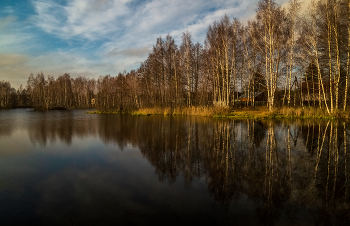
x=80 y=19
x=98 y=37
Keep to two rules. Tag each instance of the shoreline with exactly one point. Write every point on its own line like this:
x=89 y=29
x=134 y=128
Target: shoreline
x=233 y=113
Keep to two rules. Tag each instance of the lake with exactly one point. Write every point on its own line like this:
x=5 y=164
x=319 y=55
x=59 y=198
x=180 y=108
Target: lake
x=72 y=168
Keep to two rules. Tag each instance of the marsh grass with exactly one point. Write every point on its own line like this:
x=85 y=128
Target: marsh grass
x=199 y=111
x=308 y=112
x=105 y=112
x=303 y=112
x=239 y=113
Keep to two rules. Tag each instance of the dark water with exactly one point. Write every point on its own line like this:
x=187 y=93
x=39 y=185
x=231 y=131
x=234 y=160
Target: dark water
x=71 y=168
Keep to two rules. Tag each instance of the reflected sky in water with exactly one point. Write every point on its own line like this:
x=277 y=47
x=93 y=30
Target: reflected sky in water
x=72 y=168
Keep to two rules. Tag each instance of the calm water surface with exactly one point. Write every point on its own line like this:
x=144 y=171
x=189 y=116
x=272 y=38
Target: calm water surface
x=72 y=168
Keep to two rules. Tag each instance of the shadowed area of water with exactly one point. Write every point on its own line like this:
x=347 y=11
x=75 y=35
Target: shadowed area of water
x=72 y=168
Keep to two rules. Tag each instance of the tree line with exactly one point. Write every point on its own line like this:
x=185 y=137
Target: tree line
x=292 y=58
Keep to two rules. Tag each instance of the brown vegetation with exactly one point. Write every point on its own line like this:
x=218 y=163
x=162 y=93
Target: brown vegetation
x=240 y=113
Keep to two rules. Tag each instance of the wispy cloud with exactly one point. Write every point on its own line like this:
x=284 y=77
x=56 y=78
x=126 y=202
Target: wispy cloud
x=151 y=19
x=80 y=18
x=129 y=28
x=6 y=21
x=8 y=10
x=12 y=37
x=133 y=20
x=99 y=37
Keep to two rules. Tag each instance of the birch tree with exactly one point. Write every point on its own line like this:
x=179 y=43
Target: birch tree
x=270 y=18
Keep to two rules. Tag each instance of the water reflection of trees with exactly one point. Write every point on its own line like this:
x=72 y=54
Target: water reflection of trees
x=6 y=127
x=284 y=167
x=51 y=127
x=275 y=164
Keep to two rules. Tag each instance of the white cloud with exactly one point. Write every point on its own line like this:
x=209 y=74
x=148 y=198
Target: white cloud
x=132 y=23
x=99 y=37
x=199 y=28
x=12 y=38
x=92 y=19
x=158 y=18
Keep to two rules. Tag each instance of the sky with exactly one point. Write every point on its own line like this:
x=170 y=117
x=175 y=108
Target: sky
x=98 y=37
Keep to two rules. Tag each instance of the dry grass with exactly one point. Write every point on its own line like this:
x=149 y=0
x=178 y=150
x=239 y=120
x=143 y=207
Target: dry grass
x=309 y=112
x=200 y=111
x=204 y=111
x=151 y=111
x=303 y=112
x=216 y=112
x=240 y=113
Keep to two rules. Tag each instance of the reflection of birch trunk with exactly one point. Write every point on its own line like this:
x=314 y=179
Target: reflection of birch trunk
x=176 y=148
x=198 y=154
x=336 y=157
x=233 y=157
x=319 y=148
x=313 y=135
x=289 y=158
x=329 y=159
x=307 y=136
x=269 y=171
x=188 y=157
x=251 y=145
x=227 y=151
x=345 y=158
x=249 y=142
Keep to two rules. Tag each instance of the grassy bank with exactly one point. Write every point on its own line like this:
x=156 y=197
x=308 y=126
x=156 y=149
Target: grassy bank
x=198 y=111
x=285 y=113
x=239 y=113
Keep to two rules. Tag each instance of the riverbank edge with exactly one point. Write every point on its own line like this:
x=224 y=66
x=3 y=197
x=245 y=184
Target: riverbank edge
x=239 y=113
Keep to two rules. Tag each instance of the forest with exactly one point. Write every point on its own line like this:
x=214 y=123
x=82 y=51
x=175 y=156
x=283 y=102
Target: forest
x=295 y=55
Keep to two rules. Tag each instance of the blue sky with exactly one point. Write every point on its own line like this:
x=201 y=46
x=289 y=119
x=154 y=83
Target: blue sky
x=98 y=37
